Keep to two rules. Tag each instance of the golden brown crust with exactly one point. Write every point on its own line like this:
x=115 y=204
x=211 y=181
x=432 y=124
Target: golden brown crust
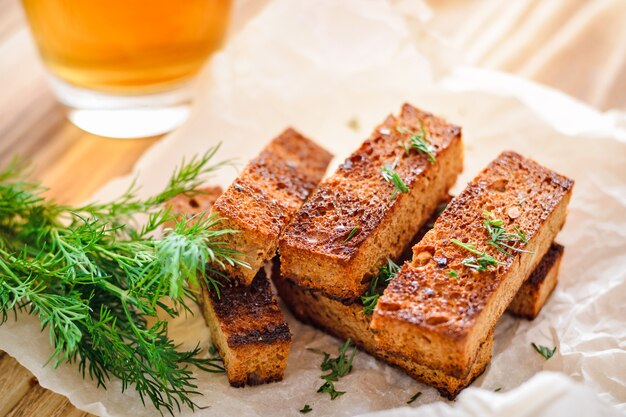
x=266 y=195
x=314 y=248
x=535 y=291
x=426 y=314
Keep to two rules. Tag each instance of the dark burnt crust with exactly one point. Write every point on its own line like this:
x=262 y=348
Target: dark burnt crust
x=252 y=380
x=272 y=186
x=422 y=294
x=250 y=315
x=546 y=264
x=357 y=194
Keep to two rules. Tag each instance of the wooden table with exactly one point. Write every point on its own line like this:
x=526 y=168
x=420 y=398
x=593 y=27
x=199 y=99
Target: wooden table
x=74 y=164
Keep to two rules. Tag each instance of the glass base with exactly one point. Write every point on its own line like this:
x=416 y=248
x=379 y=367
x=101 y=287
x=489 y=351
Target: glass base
x=125 y=116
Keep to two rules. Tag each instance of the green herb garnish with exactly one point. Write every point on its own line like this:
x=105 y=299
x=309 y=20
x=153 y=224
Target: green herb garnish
x=352 y=233
x=419 y=141
x=306 y=409
x=329 y=387
x=479 y=263
x=544 y=351
x=391 y=176
x=453 y=274
x=497 y=389
x=215 y=362
x=498 y=235
x=414 y=397
x=93 y=274
x=373 y=293
x=338 y=367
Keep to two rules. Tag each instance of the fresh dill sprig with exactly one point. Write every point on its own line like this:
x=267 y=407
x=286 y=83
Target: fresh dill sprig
x=373 y=293
x=352 y=233
x=338 y=367
x=544 y=351
x=92 y=275
x=452 y=274
x=215 y=363
x=499 y=238
x=186 y=178
x=391 y=176
x=481 y=262
x=414 y=397
x=419 y=141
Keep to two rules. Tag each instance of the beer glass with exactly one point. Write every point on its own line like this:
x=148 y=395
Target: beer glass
x=125 y=68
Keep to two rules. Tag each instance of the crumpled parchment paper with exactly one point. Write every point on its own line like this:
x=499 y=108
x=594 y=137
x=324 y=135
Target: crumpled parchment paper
x=317 y=65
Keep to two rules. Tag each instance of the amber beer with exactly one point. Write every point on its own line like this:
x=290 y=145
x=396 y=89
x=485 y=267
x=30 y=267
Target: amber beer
x=126 y=46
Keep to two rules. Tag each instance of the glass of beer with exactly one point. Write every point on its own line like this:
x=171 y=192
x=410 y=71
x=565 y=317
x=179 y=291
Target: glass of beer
x=125 y=68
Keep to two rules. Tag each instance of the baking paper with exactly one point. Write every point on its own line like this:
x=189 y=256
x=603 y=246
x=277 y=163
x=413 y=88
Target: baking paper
x=316 y=66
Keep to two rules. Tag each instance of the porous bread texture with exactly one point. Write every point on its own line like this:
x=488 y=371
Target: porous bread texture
x=249 y=330
x=537 y=288
x=265 y=197
x=316 y=250
x=427 y=315
x=349 y=322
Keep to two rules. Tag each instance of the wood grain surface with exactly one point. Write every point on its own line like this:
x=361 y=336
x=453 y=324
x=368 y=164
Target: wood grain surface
x=538 y=40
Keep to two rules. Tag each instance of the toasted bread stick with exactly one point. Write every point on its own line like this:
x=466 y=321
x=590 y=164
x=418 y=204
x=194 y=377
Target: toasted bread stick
x=265 y=197
x=245 y=321
x=246 y=324
x=359 y=216
x=350 y=322
x=536 y=289
x=249 y=330
x=426 y=314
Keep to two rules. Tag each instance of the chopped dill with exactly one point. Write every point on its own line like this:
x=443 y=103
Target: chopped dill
x=414 y=397
x=481 y=262
x=352 y=233
x=391 y=176
x=544 y=351
x=338 y=367
x=373 y=293
x=499 y=238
